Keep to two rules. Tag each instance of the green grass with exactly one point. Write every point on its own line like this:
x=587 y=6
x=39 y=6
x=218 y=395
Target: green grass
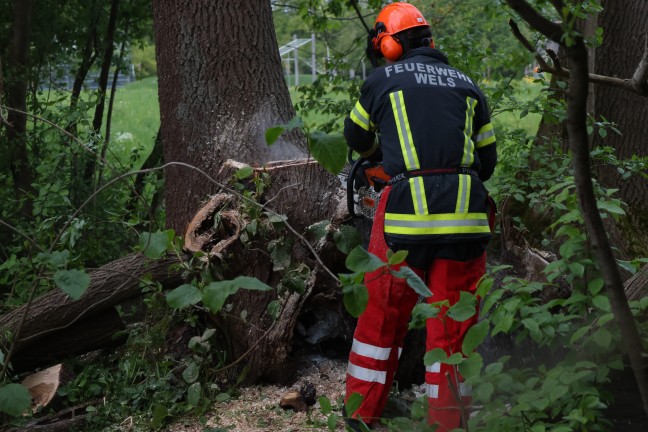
x=135 y=121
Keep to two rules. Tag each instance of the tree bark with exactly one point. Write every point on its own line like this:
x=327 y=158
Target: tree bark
x=55 y=313
x=624 y=38
x=18 y=65
x=221 y=86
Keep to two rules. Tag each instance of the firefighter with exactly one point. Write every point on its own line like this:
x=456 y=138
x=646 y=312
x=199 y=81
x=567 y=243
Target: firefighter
x=430 y=125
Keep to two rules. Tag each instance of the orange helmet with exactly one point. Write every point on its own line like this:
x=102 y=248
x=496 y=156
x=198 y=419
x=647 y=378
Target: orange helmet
x=393 y=19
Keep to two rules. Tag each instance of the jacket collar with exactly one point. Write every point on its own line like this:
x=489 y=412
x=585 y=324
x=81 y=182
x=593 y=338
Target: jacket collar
x=428 y=52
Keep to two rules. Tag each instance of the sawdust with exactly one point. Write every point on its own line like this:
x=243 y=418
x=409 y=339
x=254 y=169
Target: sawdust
x=257 y=409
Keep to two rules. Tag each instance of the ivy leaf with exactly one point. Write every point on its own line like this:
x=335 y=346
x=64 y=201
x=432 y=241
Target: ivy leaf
x=193 y=394
x=355 y=299
x=191 y=372
x=14 y=399
x=154 y=245
x=413 y=280
x=484 y=391
x=319 y=229
x=359 y=260
x=464 y=309
x=73 y=282
x=474 y=336
x=251 y=283
x=347 y=238
x=182 y=296
x=330 y=150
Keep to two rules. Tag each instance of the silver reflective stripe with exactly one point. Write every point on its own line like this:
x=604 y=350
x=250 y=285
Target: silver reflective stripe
x=481 y=137
x=365 y=374
x=400 y=351
x=435 y=368
x=436 y=223
x=432 y=391
x=371 y=351
x=465 y=389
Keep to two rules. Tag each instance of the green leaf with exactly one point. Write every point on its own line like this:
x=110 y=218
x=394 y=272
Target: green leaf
x=471 y=366
x=359 y=260
x=396 y=257
x=331 y=421
x=413 y=280
x=191 y=372
x=154 y=245
x=193 y=394
x=437 y=355
x=603 y=338
x=355 y=299
x=244 y=172
x=72 y=282
x=319 y=229
x=474 y=336
x=182 y=296
x=222 y=397
x=484 y=391
x=329 y=150
x=421 y=313
x=347 y=238
x=325 y=404
x=595 y=285
x=216 y=293
x=273 y=133
x=353 y=403
x=160 y=412
x=484 y=286
x=251 y=283
x=464 y=309
x=602 y=302
x=274 y=307
x=14 y=399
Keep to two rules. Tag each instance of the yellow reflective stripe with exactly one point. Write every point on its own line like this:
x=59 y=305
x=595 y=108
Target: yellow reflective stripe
x=417 y=188
x=360 y=117
x=469 y=146
x=485 y=135
x=404 y=132
x=463 y=193
x=447 y=223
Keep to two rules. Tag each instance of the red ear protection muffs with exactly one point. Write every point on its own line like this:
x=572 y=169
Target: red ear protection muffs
x=389 y=46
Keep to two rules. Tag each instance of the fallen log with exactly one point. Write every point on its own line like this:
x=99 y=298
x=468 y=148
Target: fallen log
x=56 y=326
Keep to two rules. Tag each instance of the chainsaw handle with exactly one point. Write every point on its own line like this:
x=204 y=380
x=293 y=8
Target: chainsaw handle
x=354 y=169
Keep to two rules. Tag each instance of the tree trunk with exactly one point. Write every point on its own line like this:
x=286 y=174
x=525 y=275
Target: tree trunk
x=306 y=194
x=221 y=86
x=624 y=25
x=21 y=170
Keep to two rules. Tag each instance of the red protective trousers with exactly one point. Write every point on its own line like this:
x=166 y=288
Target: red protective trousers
x=381 y=328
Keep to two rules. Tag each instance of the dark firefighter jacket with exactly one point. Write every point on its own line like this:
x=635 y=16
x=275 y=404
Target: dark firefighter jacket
x=434 y=126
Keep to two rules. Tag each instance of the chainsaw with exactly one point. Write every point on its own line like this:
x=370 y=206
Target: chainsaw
x=365 y=183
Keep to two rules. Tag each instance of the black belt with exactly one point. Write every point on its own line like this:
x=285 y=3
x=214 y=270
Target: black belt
x=431 y=172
